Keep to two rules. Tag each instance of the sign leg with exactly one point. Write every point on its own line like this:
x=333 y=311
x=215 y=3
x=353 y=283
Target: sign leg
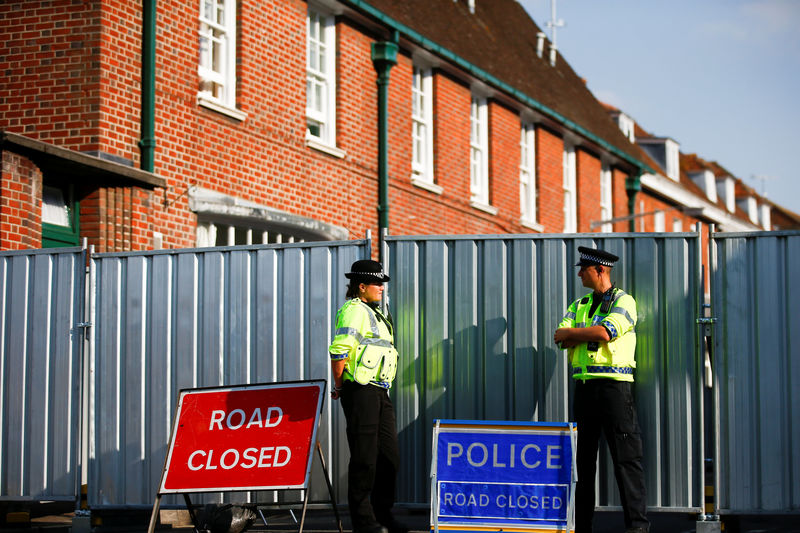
x=305 y=506
x=191 y=512
x=330 y=488
x=154 y=516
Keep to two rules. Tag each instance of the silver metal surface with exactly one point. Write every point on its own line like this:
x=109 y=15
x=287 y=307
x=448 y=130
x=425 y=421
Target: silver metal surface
x=180 y=319
x=475 y=320
x=755 y=288
x=474 y=315
x=40 y=363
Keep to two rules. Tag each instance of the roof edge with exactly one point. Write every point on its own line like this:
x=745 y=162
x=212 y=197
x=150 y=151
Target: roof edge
x=492 y=80
x=101 y=167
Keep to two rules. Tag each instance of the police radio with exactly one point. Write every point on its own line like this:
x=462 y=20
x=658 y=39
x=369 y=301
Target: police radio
x=605 y=307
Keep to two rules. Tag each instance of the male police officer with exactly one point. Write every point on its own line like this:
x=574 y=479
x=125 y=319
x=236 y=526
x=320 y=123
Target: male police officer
x=598 y=331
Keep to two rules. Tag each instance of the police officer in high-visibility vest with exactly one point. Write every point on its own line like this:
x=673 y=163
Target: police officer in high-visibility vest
x=363 y=363
x=598 y=332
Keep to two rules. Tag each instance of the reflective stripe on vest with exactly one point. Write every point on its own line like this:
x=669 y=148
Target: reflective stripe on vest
x=382 y=366
x=613 y=359
x=603 y=370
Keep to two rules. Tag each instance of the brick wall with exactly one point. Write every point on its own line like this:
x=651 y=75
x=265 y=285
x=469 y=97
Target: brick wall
x=49 y=57
x=20 y=203
x=504 y=159
x=648 y=204
x=619 y=198
x=588 y=185
x=550 y=179
x=81 y=62
x=117 y=219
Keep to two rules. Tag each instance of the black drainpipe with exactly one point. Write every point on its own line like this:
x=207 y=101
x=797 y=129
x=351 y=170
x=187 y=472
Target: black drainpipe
x=633 y=184
x=147 y=143
x=384 y=57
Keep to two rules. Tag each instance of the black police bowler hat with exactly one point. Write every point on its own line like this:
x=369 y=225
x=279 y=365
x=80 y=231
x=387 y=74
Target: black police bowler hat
x=593 y=256
x=367 y=270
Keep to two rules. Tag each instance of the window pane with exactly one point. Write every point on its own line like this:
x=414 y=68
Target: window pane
x=320 y=105
x=221 y=13
x=222 y=235
x=207 y=10
x=54 y=207
x=240 y=236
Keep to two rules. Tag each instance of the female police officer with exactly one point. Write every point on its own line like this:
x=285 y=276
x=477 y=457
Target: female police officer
x=363 y=363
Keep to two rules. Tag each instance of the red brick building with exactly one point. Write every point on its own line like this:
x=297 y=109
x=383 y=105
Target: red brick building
x=162 y=123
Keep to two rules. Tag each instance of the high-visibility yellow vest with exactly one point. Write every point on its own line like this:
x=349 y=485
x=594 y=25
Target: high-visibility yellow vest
x=613 y=359
x=364 y=338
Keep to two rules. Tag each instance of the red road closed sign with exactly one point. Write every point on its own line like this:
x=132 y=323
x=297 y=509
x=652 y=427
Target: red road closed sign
x=252 y=437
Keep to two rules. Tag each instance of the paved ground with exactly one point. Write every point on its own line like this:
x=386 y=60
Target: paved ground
x=323 y=521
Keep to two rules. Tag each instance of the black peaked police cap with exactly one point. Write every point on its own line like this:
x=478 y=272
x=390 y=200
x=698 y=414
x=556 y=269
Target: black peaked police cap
x=366 y=270
x=593 y=256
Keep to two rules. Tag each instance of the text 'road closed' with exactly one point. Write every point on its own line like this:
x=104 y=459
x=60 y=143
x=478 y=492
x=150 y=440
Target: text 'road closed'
x=243 y=437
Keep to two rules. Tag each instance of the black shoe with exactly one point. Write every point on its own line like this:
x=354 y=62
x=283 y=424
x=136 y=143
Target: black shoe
x=394 y=526
x=376 y=528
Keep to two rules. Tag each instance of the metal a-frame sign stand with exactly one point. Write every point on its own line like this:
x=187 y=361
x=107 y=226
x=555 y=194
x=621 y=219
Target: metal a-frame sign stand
x=271 y=426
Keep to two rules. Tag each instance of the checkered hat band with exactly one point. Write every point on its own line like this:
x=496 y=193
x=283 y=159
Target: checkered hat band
x=376 y=274
x=597 y=259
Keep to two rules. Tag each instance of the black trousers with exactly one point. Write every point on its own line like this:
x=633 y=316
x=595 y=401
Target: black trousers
x=606 y=406
x=374 y=454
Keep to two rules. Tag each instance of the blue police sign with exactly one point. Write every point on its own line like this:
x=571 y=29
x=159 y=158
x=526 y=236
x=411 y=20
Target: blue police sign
x=498 y=475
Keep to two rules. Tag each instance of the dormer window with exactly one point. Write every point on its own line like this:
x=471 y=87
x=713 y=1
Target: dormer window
x=725 y=190
x=626 y=125
x=705 y=180
x=666 y=153
x=765 y=216
x=748 y=205
x=672 y=155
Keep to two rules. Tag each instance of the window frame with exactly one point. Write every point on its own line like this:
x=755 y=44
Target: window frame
x=479 y=152
x=528 y=184
x=570 y=188
x=422 y=168
x=58 y=235
x=208 y=232
x=606 y=198
x=672 y=159
x=223 y=75
x=323 y=76
x=659 y=222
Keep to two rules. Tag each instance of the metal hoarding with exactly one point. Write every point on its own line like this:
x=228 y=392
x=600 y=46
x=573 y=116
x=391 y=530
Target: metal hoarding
x=40 y=373
x=755 y=288
x=475 y=317
x=171 y=320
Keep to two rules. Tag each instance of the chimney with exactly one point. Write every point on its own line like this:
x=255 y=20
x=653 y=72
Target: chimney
x=553 y=50
x=540 y=43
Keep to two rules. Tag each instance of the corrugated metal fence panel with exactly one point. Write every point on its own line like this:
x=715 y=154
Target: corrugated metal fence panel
x=170 y=320
x=475 y=318
x=40 y=371
x=755 y=291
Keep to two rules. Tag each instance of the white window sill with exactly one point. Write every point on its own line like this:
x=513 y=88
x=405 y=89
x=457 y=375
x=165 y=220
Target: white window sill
x=318 y=145
x=532 y=225
x=486 y=208
x=428 y=186
x=219 y=108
